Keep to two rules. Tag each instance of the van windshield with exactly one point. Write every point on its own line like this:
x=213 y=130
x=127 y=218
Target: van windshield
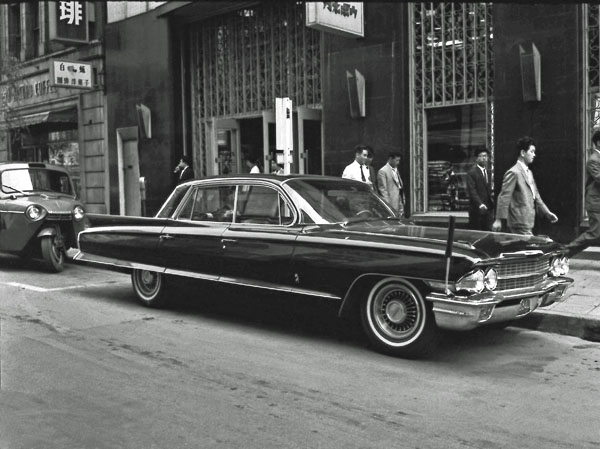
x=29 y=180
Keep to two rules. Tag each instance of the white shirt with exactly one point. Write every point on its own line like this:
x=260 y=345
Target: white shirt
x=352 y=171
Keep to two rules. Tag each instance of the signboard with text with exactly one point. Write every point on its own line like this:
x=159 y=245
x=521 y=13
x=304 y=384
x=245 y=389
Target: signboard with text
x=343 y=18
x=68 y=21
x=71 y=74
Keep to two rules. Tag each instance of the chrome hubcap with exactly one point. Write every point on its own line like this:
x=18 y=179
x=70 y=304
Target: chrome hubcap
x=395 y=311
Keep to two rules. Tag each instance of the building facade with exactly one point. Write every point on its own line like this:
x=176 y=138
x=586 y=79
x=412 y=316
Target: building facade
x=440 y=81
x=46 y=117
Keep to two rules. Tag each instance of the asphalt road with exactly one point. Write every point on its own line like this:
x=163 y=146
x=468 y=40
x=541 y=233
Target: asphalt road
x=83 y=366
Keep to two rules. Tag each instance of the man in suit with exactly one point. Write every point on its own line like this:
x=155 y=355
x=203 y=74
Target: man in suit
x=519 y=199
x=357 y=170
x=390 y=184
x=481 y=203
x=592 y=201
x=183 y=170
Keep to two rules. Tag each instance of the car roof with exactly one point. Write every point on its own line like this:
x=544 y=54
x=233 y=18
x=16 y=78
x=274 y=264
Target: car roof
x=16 y=165
x=277 y=179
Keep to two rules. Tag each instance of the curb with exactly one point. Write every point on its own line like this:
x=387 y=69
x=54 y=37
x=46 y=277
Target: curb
x=556 y=323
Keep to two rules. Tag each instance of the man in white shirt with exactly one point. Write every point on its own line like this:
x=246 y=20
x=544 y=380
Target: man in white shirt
x=357 y=170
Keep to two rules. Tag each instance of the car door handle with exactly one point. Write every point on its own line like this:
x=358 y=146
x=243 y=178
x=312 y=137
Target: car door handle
x=166 y=237
x=228 y=241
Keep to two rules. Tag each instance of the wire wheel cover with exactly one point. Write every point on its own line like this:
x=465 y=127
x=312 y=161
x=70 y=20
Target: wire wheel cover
x=396 y=312
x=148 y=283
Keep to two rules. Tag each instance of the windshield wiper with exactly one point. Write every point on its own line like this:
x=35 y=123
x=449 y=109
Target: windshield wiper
x=14 y=190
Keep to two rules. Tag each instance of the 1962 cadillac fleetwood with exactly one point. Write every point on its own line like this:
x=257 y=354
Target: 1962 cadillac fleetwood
x=333 y=238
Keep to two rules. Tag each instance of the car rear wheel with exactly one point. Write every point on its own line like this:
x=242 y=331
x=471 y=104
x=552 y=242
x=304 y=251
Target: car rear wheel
x=53 y=253
x=397 y=320
x=149 y=287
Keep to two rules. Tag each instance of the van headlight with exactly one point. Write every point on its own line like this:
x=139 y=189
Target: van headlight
x=35 y=212
x=559 y=266
x=78 y=213
x=472 y=282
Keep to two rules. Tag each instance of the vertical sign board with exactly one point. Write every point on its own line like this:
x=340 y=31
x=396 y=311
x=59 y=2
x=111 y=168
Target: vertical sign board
x=342 y=18
x=68 y=22
x=284 y=133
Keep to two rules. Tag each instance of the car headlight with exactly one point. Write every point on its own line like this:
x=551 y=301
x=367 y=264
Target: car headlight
x=491 y=279
x=35 y=212
x=472 y=282
x=559 y=266
x=78 y=213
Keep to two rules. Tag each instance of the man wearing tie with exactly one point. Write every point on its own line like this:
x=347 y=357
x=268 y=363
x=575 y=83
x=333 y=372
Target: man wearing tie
x=481 y=203
x=390 y=184
x=357 y=170
x=519 y=199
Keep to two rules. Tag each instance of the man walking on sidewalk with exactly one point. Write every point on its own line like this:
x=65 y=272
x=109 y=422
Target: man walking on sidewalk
x=592 y=201
x=519 y=198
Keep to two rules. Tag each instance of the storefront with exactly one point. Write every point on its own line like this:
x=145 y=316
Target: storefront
x=238 y=63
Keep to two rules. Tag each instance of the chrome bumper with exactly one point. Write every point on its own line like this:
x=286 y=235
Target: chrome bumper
x=468 y=312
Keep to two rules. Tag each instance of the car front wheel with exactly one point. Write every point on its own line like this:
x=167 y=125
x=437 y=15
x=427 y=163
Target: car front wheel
x=397 y=320
x=52 y=253
x=149 y=287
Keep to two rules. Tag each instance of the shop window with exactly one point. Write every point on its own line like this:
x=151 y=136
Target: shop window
x=454 y=135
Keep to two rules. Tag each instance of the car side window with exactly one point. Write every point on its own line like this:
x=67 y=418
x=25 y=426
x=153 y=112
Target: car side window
x=213 y=203
x=262 y=205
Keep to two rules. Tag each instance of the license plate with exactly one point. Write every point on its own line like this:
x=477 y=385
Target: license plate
x=524 y=306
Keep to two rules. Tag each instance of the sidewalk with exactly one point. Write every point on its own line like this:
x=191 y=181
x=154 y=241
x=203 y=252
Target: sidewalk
x=579 y=314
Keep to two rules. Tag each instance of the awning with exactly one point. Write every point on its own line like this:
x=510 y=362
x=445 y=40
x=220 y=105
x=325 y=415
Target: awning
x=68 y=115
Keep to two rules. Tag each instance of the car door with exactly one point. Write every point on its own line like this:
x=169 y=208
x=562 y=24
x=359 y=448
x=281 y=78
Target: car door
x=258 y=246
x=191 y=244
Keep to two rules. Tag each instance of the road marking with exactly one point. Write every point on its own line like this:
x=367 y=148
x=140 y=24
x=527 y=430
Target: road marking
x=56 y=289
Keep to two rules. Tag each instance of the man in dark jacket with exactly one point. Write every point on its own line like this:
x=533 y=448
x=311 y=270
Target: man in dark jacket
x=592 y=201
x=481 y=203
x=183 y=171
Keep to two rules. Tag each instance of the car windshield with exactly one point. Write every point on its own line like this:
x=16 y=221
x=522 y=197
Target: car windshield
x=337 y=201
x=27 y=180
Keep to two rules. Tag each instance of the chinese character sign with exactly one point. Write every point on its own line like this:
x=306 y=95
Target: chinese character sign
x=343 y=18
x=71 y=74
x=68 y=21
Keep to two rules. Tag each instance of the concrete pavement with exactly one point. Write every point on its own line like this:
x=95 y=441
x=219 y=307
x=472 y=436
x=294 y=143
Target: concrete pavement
x=579 y=314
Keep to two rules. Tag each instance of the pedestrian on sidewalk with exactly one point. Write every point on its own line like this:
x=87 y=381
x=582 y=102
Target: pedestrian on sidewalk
x=519 y=199
x=592 y=201
x=481 y=202
x=358 y=169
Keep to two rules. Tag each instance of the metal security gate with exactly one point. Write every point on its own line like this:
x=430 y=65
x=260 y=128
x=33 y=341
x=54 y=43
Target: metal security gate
x=451 y=64
x=241 y=61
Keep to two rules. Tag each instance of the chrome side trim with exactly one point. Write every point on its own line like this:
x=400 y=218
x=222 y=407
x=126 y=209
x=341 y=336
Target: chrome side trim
x=100 y=260
x=12 y=211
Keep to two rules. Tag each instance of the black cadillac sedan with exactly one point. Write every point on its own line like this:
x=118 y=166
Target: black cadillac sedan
x=333 y=238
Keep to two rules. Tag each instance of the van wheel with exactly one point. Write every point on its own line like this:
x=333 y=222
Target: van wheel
x=52 y=253
x=397 y=320
x=149 y=287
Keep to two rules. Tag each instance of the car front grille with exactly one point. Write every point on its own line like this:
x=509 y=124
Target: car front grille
x=59 y=216
x=522 y=273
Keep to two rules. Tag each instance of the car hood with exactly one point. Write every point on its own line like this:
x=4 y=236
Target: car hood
x=51 y=201
x=479 y=244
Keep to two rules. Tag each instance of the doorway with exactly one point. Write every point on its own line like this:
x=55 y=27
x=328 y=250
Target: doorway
x=130 y=198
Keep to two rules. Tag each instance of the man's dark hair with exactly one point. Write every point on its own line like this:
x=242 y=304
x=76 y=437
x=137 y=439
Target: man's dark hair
x=523 y=144
x=186 y=159
x=596 y=138
x=360 y=147
x=394 y=154
x=482 y=150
